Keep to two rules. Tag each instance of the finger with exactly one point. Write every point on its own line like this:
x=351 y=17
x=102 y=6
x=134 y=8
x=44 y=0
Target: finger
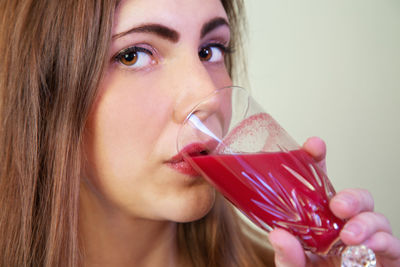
x=316 y=147
x=350 y=202
x=384 y=245
x=288 y=251
x=363 y=226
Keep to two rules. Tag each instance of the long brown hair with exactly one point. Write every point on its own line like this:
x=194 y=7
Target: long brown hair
x=52 y=57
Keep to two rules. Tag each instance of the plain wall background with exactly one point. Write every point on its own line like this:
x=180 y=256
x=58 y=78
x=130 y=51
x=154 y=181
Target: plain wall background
x=332 y=69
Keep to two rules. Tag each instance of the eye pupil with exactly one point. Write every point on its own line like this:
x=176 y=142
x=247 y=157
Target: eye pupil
x=129 y=58
x=205 y=53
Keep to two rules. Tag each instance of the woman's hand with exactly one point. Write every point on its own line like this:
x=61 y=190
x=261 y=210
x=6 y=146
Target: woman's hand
x=364 y=226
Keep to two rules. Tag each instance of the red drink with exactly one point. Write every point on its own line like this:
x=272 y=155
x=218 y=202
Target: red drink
x=279 y=189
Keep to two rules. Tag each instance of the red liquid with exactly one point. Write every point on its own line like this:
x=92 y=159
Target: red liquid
x=282 y=189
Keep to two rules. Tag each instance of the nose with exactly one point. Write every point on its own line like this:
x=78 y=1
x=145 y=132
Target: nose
x=194 y=85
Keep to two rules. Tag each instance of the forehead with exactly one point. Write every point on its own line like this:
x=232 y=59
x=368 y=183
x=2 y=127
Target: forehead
x=182 y=15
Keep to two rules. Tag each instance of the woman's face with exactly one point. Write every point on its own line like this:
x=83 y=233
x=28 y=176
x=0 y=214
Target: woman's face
x=165 y=56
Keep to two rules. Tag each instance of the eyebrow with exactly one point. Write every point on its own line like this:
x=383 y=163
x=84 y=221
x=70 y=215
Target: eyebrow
x=157 y=29
x=170 y=34
x=212 y=25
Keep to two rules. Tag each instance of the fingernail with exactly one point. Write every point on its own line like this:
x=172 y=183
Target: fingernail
x=353 y=229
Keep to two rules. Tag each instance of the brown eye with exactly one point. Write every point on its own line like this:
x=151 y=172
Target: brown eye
x=205 y=53
x=135 y=57
x=129 y=59
x=213 y=52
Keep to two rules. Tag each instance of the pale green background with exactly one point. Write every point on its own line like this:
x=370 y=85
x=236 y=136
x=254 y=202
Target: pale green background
x=332 y=69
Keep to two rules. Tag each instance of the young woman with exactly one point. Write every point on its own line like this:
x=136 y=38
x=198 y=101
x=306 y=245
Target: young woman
x=92 y=96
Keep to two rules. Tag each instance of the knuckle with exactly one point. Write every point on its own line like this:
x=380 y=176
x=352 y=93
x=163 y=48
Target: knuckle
x=384 y=221
x=368 y=197
x=375 y=222
x=363 y=199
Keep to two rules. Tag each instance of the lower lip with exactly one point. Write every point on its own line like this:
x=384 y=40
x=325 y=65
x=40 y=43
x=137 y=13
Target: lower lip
x=184 y=168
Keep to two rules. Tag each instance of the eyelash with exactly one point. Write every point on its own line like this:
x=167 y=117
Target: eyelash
x=136 y=49
x=224 y=48
x=132 y=49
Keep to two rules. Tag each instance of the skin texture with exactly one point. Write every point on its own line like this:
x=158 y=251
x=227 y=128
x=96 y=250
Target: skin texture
x=129 y=191
x=133 y=127
x=130 y=196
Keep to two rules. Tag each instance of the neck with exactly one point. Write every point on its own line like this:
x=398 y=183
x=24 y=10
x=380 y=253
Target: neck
x=110 y=237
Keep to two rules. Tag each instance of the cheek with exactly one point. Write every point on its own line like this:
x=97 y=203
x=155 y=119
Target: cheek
x=136 y=110
x=124 y=126
x=219 y=75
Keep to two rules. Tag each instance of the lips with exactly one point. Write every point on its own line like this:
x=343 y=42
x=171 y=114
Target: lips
x=180 y=162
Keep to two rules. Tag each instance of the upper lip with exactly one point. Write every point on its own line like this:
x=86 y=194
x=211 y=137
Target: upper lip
x=194 y=149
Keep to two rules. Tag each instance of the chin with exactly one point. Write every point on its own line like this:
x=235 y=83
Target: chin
x=193 y=208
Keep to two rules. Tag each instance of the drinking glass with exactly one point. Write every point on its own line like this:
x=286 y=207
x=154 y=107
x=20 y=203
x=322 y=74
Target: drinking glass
x=248 y=157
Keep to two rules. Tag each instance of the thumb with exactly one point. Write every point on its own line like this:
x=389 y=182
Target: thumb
x=288 y=250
